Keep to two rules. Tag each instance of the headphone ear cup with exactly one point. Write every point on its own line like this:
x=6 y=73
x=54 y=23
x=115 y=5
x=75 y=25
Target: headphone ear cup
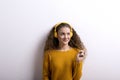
x=71 y=34
x=55 y=34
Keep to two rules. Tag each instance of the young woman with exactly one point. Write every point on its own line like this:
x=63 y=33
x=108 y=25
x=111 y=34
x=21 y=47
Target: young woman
x=64 y=53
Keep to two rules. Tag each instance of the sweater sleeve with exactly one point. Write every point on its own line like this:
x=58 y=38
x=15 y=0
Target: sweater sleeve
x=77 y=70
x=46 y=67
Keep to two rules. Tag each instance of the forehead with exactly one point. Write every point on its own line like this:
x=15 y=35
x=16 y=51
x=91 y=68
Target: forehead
x=64 y=29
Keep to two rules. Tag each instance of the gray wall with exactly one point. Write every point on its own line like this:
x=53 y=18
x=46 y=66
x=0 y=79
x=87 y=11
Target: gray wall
x=24 y=26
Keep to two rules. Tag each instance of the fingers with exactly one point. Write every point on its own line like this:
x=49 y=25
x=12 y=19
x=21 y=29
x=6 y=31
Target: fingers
x=81 y=53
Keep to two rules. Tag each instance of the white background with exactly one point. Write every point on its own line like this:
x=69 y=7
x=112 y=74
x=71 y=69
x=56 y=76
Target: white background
x=24 y=26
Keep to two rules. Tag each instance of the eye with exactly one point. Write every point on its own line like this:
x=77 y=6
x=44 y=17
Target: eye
x=62 y=34
x=68 y=33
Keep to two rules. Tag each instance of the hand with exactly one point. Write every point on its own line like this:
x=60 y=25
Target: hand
x=81 y=56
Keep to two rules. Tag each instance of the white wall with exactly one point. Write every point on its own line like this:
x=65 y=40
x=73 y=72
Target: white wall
x=24 y=25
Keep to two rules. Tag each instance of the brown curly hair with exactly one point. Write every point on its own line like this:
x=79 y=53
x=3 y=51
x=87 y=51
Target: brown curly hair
x=53 y=43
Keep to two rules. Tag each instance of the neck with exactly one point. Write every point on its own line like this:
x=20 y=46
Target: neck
x=64 y=47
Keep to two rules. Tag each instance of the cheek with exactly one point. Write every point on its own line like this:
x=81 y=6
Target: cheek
x=60 y=37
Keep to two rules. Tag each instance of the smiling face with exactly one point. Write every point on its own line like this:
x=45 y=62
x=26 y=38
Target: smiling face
x=64 y=36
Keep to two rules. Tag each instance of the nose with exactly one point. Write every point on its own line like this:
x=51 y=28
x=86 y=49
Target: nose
x=66 y=36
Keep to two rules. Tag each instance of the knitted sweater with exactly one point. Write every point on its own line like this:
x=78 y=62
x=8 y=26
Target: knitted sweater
x=61 y=65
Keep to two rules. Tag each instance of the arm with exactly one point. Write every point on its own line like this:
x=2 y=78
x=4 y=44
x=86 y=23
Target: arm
x=78 y=63
x=77 y=68
x=46 y=67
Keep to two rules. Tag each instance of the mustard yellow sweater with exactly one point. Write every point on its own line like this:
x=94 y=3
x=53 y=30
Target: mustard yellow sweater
x=61 y=65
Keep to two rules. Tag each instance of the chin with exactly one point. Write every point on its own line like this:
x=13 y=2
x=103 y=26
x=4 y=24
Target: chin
x=65 y=43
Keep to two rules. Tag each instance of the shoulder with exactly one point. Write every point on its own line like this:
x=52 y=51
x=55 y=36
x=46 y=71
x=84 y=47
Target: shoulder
x=49 y=52
x=76 y=50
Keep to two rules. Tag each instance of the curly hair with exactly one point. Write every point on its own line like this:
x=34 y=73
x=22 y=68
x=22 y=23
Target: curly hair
x=53 y=43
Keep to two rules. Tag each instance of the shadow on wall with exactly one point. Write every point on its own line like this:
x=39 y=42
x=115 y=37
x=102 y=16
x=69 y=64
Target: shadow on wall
x=38 y=64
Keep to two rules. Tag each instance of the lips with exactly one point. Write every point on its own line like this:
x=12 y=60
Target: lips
x=65 y=40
